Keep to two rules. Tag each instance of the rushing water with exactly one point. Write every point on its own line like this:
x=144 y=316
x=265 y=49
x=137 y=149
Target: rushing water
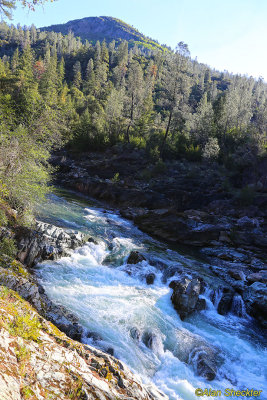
x=110 y=298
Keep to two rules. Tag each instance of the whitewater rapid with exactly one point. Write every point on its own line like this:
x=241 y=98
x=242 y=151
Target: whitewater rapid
x=110 y=298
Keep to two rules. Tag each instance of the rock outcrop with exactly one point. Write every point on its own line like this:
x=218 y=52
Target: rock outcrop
x=46 y=242
x=38 y=361
x=185 y=296
x=15 y=276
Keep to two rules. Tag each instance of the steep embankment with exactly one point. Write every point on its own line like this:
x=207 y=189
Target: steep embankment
x=39 y=362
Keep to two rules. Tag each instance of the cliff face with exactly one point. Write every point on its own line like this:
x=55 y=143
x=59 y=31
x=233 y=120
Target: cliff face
x=40 y=362
x=100 y=28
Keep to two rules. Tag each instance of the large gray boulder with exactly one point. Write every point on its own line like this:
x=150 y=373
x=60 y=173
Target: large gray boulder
x=47 y=242
x=195 y=351
x=185 y=297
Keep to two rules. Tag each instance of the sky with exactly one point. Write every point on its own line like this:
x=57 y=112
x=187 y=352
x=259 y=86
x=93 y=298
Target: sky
x=225 y=34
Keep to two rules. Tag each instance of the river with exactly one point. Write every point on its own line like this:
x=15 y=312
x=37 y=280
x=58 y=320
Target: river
x=110 y=298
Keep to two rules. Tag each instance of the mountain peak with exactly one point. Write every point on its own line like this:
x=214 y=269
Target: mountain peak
x=103 y=28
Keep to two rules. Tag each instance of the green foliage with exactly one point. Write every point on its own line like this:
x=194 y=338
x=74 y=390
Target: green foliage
x=3 y=218
x=7 y=6
x=193 y=153
x=8 y=247
x=57 y=90
x=26 y=326
x=116 y=178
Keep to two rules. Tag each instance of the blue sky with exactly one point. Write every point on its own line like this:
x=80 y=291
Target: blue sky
x=225 y=34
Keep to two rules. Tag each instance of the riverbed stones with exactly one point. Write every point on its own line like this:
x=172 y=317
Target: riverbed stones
x=237 y=275
x=255 y=298
x=260 y=276
x=195 y=351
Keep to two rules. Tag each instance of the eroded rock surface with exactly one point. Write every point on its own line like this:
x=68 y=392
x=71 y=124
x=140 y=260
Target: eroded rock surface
x=46 y=242
x=40 y=362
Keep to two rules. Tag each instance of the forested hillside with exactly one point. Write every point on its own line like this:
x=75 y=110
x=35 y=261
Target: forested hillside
x=56 y=89
x=104 y=28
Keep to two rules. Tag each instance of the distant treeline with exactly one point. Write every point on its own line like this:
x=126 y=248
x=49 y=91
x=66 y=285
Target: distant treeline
x=57 y=90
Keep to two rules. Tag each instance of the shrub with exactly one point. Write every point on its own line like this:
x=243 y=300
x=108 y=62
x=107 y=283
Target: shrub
x=193 y=153
x=26 y=326
x=116 y=178
x=8 y=247
x=211 y=149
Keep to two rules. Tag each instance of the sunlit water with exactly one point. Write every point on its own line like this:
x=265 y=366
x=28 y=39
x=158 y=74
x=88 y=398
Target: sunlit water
x=95 y=284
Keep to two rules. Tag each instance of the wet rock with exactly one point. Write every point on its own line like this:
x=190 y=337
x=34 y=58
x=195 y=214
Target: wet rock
x=198 y=353
x=135 y=257
x=237 y=275
x=225 y=302
x=260 y=276
x=135 y=334
x=94 y=336
x=149 y=339
x=204 y=365
x=110 y=351
x=150 y=278
x=255 y=298
x=152 y=341
x=46 y=242
x=185 y=297
x=246 y=222
x=74 y=331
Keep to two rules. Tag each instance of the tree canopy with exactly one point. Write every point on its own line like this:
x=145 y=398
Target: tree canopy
x=7 y=6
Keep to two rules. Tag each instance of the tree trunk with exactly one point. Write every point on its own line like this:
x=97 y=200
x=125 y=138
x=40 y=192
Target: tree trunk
x=131 y=120
x=166 y=135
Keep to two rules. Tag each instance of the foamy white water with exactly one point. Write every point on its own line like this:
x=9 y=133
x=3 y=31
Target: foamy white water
x=111 y=298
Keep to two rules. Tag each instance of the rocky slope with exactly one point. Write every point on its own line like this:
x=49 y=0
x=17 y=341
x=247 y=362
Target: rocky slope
x=39 y=362
x=102 y=28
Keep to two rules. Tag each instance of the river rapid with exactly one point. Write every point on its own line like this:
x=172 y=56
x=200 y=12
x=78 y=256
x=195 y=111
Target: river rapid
x=111 y=298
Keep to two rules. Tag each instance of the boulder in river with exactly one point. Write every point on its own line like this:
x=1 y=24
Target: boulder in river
x=195 y=351
x=135 y=257
x=135 y=333
x=185 y=297
x=152 y=341
x=150 y=278
x=225 y=302
x=260 y=276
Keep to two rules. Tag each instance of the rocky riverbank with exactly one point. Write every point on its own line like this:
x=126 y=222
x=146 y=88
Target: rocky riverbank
x=39 y=362
x=186 y=204
x=37 y=359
